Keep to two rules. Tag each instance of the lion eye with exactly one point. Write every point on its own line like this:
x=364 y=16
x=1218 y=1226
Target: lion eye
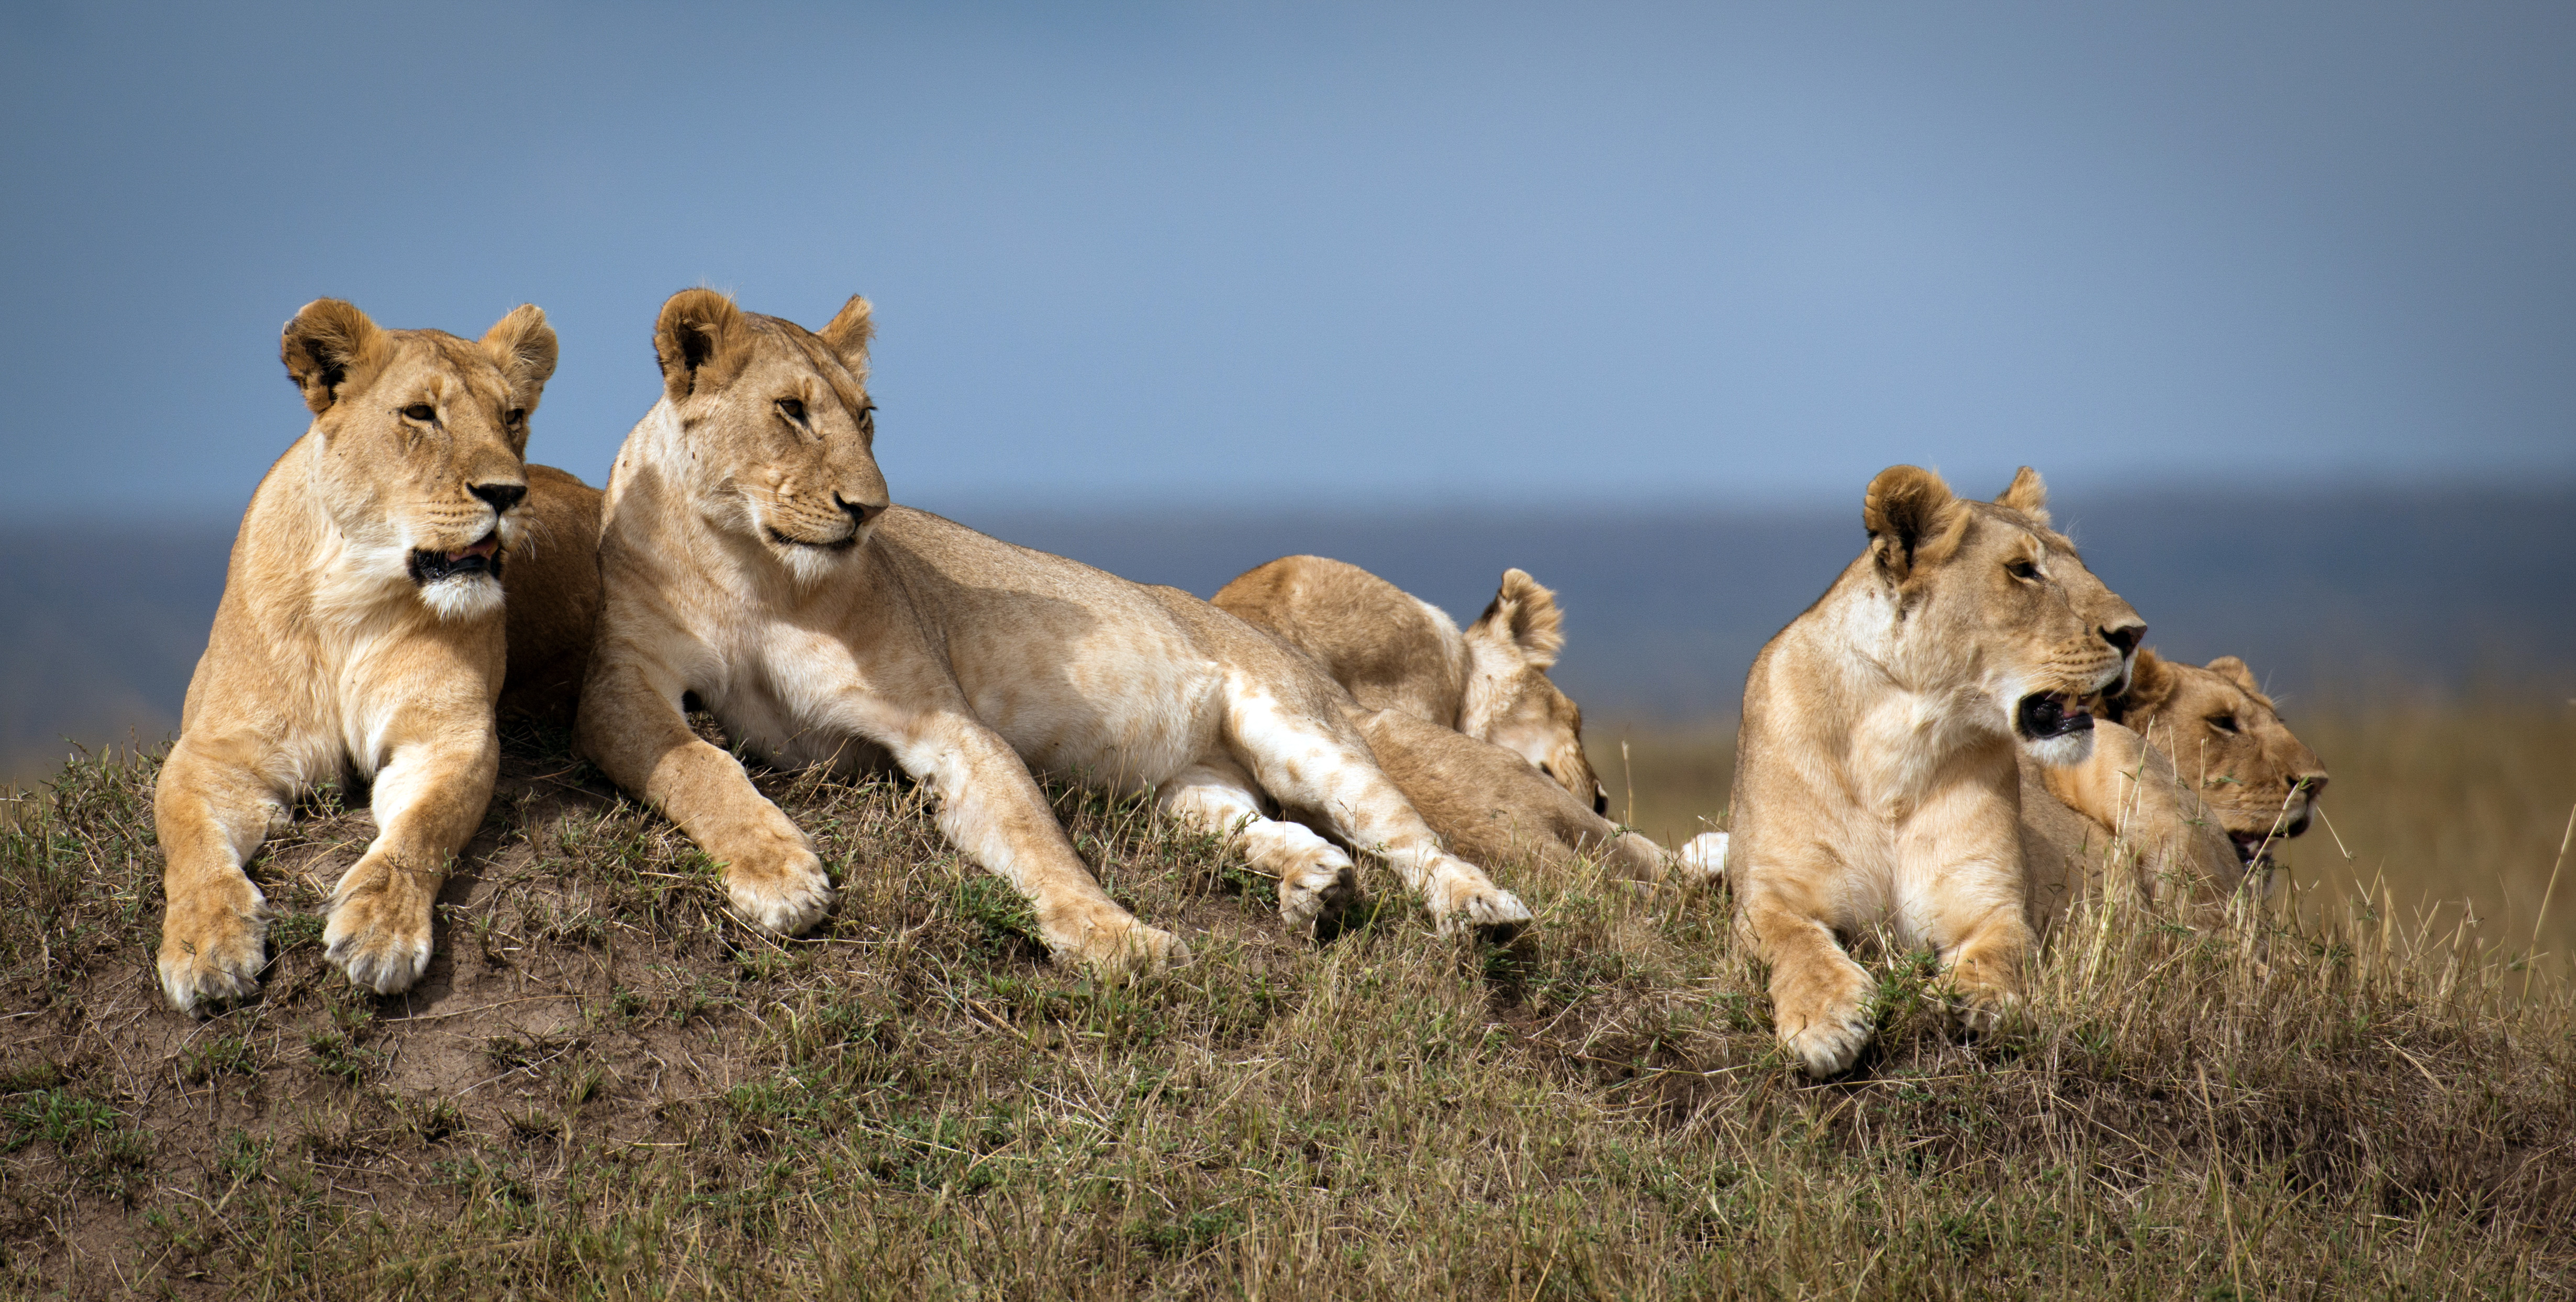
x=2022 y=570
x=2223 y=722
x=517 y=414
x=793 y=409
x=868 y=419
x=420 y=411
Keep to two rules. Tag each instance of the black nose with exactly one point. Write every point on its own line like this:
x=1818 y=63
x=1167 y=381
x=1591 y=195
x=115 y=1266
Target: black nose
x=2125 y=639
x=2312 y=783
x=858 y=511
x=501 y=496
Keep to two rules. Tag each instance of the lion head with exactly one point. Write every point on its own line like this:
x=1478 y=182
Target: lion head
x=1511 y=702
x=1996 y=598
x=2226 y=737
x=781 y=419
x=420 y=445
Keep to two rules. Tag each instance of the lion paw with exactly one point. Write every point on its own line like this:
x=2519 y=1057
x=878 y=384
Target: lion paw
x=787 y=897
x=1983 y=1012
x=209 y=955
x=1316 y=896
x=1496 y=914
x=1703 y=857
x=379 y=929
x=1828 y=1045
x=1117 y=949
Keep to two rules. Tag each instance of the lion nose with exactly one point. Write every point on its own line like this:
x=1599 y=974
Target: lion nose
x=2312 y=783
x=858 y=511
x=501 y=496
x=2125 y=638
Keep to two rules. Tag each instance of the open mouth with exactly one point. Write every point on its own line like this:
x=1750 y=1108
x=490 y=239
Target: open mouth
x=484 y=557
x=2042 y=715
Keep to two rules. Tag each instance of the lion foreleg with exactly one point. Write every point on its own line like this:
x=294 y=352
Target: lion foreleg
x=427 y=801
x=1308 y=764
x=211 y=808
x=1316 y=880
x=994 y=812
x=1819 y=996
x=630 y=726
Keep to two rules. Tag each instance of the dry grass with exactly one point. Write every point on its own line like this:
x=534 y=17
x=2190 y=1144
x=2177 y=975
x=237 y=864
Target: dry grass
x=607 y=1089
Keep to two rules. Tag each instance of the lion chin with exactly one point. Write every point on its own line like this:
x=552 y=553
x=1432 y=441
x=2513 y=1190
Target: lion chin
x=463 y=597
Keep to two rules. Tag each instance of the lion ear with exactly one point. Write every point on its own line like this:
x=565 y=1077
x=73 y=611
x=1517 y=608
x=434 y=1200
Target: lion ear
x=2028 y=495
x=327 y=347
x=698 y=339
x=2151 y=684
x=848 y=333
x=1525 y=615
x=523 y=346
x=1901 y=510
x=2235 y=671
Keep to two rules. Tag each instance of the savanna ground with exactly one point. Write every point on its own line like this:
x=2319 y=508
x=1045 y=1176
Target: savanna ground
x=607 y=1088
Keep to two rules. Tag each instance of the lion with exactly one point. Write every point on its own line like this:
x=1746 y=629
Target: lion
x=1395 y=651
x=1876 y=780
x=1492 y=806
x=361 y=630
x=750 y=558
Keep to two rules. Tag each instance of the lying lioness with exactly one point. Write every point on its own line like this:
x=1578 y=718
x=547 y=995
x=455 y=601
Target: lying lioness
x=360 y=629
x=750 y=558
x=1876 y=779
x=1395 y=651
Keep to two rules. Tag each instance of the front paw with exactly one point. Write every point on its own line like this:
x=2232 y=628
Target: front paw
x=211 y=952
x=1703 y=858
x=1827 y=1043
x=1116 y=948
x=1982 y=1010
x=783 y=889
x=379 y=928
x=1821 y=1012
x=1317 y=895
x=1460 y=901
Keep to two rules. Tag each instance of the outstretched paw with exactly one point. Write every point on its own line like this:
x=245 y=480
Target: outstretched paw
x=787 y=894
x=1495 y=914
x=210 y=954
x=1117 y=949
x=1828 y=1045
x=1703 y=858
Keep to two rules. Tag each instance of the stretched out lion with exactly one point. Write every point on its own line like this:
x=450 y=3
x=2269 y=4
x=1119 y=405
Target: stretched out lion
x=361 y=628
x=750 y=558
x=1876 y=779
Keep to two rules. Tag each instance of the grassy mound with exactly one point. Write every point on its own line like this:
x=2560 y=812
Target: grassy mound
x=607 y=1088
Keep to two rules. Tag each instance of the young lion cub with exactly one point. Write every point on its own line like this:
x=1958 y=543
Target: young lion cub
x=1875 y=778
x=750 y=558
x=360 y=628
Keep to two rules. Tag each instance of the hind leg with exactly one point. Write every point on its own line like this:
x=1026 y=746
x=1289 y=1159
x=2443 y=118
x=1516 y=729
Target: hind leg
x=1322 y=765
x=1316 y=880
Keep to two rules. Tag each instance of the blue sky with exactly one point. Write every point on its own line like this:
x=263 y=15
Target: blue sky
x=1339 y=255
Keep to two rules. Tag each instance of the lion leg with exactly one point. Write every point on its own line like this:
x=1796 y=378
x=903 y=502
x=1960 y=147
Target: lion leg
x=1316 y=880
x=1960 y=883
x=211 y=809
x=993 y=811
x=1819 y=996
x=427 y=801
x=632 y=728
x=1311 y=765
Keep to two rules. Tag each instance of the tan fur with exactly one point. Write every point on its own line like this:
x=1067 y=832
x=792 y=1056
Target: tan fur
x=1876 y=781
x=1491 y=806
x=1395 y=651
x=553 y=586
x=329 y=656
x=749 y=557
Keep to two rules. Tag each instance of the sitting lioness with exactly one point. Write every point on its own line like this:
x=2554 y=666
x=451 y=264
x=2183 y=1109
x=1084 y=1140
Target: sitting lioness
x=1395 y=651
x=749 y=557
x=1876 y=779
x=361 y=628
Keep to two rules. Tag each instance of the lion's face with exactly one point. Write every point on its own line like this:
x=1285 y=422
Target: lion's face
x=421 y=441
x=2225 y=735
x=781 y=421
x=1510 y=700
x=1996 y=597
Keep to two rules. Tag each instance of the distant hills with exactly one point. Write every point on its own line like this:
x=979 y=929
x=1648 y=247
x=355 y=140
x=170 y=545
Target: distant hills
x=2336 y=593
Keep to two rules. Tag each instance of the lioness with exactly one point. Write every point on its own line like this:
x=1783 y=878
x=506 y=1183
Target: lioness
x=1395 y=651
x=750 y=558
x=361 y=628
x=1875 y=776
